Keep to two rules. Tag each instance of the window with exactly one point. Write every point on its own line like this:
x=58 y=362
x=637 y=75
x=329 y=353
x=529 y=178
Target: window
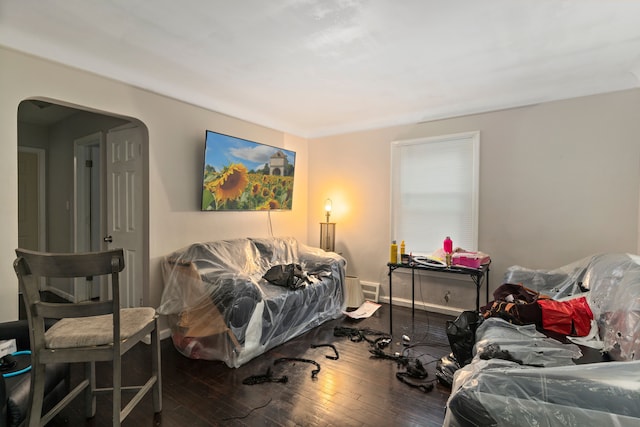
x=434 y=191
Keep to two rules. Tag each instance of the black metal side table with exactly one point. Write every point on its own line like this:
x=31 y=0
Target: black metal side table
x=477 y=275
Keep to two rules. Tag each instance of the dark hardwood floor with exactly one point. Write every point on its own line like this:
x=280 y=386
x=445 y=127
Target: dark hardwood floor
x=355 y=390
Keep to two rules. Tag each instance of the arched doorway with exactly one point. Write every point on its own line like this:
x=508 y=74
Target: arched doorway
x=73 y=198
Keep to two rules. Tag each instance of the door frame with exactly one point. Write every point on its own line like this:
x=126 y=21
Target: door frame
x=83 y=197
x=42 y=193
x=144 y=230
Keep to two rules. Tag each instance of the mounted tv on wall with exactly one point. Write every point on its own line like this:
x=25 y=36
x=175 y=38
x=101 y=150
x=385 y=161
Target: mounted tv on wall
x=246 y=175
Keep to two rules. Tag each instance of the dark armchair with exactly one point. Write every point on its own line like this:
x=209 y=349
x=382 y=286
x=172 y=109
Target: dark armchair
x=14 y=391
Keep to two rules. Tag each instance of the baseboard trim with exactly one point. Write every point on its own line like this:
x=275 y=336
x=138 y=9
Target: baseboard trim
x=164 y=333
x=425 y=306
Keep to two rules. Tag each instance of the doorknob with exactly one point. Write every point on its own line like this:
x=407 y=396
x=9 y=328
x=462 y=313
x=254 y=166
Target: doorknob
x=108 y=239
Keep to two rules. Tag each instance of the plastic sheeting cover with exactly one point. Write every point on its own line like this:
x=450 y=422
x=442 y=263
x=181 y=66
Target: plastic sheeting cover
x=524 y=344
x=500 y=393
x=220 y=308
x=557 y=283
x=613 y=284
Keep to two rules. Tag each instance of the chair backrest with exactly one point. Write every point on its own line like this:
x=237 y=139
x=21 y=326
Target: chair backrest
x=30 y=266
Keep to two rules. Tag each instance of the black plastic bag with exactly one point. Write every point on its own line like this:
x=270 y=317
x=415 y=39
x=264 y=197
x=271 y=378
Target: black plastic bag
x=445 y=368
x=462 y=335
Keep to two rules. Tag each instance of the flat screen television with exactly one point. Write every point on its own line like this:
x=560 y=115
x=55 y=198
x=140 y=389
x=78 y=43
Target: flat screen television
x=239 y=174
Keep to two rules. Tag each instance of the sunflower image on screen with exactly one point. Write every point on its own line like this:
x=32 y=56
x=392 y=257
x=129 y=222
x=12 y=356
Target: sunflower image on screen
x=245 y=175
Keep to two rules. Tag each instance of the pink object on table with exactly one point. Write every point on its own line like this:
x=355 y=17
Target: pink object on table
x=470 y=259
x=447 y=245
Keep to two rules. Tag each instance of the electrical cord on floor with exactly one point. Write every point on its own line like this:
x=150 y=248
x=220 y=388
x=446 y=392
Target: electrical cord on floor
x=413 y=367
x=424 y=387
x=426 y=334
x=328 y=356
x=424 y=340
x=267 y=377
x=380 y=354
x=357 y=335
x=415 y=370
x=248 y=413
x=314 y=373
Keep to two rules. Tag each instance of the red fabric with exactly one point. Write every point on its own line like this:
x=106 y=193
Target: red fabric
x=556 y=316
x=582 y=316
x=572 y=317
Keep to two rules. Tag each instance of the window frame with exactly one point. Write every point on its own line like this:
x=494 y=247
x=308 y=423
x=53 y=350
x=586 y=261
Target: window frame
x=473 y=138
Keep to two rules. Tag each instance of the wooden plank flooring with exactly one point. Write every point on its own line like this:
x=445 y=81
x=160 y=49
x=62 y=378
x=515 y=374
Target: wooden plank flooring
x=355 y=390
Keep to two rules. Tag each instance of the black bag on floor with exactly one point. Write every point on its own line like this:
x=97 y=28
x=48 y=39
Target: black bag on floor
x=462 y=335
x=445 y=368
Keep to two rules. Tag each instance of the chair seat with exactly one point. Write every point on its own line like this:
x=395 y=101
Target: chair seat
x=97 y=330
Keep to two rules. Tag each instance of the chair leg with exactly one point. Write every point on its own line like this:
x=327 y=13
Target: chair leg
x=36 y=395
x=89 y=392
x=117 y=388
x=156 y=368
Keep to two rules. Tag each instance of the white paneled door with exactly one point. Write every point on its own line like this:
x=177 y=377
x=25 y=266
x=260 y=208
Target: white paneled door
x=125 y=208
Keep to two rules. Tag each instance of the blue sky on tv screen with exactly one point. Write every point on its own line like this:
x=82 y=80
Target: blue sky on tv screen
x=222 y=150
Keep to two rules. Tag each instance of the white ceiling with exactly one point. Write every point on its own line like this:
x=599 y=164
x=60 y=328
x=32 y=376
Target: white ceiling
x=320 y=67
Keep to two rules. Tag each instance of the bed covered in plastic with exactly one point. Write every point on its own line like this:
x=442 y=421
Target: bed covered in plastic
x=220 y=307
x=540 y=384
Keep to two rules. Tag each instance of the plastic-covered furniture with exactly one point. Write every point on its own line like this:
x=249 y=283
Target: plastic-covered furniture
x=521 y=376
x=220 y=307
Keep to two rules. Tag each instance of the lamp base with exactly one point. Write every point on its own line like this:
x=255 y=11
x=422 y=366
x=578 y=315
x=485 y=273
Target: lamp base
x=328 y=236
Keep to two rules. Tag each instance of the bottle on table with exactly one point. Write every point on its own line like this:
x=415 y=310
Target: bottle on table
x=447 y=246
x=393 y=255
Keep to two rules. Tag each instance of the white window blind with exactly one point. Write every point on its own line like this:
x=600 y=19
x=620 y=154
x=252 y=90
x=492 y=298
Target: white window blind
x=434 y=191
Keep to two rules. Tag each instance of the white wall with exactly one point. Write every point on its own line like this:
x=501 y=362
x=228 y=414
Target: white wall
x=176 y=149
x=558 y=181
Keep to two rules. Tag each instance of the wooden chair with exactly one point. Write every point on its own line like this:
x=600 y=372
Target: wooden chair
x=87 y=332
